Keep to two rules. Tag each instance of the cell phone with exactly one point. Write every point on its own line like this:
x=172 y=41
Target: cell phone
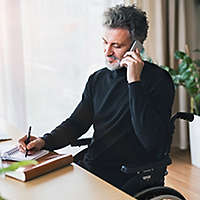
x=136 y=44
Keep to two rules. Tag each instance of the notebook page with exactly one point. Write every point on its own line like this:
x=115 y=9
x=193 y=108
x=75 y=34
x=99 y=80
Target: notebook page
x=15 y=155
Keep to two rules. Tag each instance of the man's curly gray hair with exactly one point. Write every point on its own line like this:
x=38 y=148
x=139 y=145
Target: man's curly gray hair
x=128 y=17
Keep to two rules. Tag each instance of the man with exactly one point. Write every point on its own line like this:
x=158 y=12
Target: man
x=128 y=103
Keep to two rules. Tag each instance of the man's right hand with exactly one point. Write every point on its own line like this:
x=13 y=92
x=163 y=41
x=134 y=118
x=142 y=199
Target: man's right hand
x=34 y=145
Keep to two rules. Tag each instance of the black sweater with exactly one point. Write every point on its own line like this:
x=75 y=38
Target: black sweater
x=131 y=121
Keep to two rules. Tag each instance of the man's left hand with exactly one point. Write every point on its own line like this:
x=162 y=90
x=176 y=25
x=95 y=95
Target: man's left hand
x=134 y=64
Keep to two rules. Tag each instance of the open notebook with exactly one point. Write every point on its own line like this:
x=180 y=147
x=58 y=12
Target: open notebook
x=15 y=155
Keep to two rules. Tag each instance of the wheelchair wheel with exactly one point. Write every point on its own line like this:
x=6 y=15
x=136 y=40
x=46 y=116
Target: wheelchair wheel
x=159 y=193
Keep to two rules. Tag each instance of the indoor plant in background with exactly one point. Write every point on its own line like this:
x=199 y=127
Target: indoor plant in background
x=188 y=75
x=15 y=166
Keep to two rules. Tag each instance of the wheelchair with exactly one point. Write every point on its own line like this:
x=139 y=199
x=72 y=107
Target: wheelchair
x=146 y=172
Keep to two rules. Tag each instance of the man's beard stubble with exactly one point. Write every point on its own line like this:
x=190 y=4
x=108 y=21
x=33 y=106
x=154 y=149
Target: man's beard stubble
x=113 y=66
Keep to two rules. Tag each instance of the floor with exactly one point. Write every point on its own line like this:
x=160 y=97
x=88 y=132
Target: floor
x=183 y=176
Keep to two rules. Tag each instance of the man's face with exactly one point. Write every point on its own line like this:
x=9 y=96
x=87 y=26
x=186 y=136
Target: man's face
x=116 y=42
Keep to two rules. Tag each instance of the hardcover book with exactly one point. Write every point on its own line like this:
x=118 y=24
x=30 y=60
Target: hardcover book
x=47 y=163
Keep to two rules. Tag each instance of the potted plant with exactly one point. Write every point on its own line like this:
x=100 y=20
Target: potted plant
x=188 y=75
x=15 y=166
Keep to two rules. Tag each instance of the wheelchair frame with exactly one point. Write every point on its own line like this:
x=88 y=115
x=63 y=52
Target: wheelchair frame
x=152 y=193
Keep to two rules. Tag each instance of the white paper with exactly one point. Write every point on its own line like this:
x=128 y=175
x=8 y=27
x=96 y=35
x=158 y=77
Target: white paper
x=15 y=155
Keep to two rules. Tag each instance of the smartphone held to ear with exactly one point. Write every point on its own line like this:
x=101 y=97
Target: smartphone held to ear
x=136 y=45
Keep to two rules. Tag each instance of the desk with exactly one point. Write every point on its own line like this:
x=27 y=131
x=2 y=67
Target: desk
x=69 y=183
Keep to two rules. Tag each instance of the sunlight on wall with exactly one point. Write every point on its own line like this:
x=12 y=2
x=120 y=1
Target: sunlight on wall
x=62 y=47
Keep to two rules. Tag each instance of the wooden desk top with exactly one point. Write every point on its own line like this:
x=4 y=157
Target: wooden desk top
x=69 y=183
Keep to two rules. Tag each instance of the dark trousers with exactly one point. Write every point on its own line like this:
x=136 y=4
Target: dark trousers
x=129 y=183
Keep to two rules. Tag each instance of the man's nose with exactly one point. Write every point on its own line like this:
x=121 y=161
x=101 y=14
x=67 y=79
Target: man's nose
x=108 y=50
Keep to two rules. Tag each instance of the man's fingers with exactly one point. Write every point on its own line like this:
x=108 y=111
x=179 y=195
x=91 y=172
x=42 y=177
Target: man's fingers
x=137 y=51
x=32 y=145
x=32 y=151
x=22 y=140
x=22 y=145
x=22 y=148
x=134 y=54
x=126 y=61
x=36 y=144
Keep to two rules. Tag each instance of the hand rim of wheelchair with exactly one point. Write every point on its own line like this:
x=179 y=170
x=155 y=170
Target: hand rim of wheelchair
x=158 y=193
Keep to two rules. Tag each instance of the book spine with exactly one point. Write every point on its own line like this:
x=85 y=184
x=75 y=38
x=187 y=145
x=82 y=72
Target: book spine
x=47 y=166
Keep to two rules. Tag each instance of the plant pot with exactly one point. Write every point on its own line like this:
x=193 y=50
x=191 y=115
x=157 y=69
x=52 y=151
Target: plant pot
x=195 y=141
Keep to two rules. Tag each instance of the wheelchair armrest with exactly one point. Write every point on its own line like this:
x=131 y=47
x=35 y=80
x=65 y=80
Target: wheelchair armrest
x=183 y=115
x=131 y=169
x=81 y=142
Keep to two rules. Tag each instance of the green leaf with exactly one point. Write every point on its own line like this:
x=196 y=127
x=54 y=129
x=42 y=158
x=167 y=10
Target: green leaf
x=190 y=83
x=176 y=79
x=197 y=98
x=196 y=102
x=170 y=70
x=192 y=67
x=182 y=66
x=165 y=67
x=196 y=77
x=187 y=59
x=179 y=54
x=186 y=75
x=1 y=198
x=173 y=73
x=16 y=165
x=192 y=90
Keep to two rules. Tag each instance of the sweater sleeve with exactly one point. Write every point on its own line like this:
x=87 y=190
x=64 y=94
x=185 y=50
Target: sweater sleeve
x=150 y=112
x=73 y=127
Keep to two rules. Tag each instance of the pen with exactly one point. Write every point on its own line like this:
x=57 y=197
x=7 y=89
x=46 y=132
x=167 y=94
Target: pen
x=28 y=140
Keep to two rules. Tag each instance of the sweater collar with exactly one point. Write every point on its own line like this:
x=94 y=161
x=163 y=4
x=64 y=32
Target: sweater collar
x=119 y=72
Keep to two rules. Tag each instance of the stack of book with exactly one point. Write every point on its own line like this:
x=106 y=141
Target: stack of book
x=47 y=162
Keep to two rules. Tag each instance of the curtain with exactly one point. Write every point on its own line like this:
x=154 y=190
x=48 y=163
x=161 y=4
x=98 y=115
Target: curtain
x=48 y=49
x=172 y=25
x=12 y=82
